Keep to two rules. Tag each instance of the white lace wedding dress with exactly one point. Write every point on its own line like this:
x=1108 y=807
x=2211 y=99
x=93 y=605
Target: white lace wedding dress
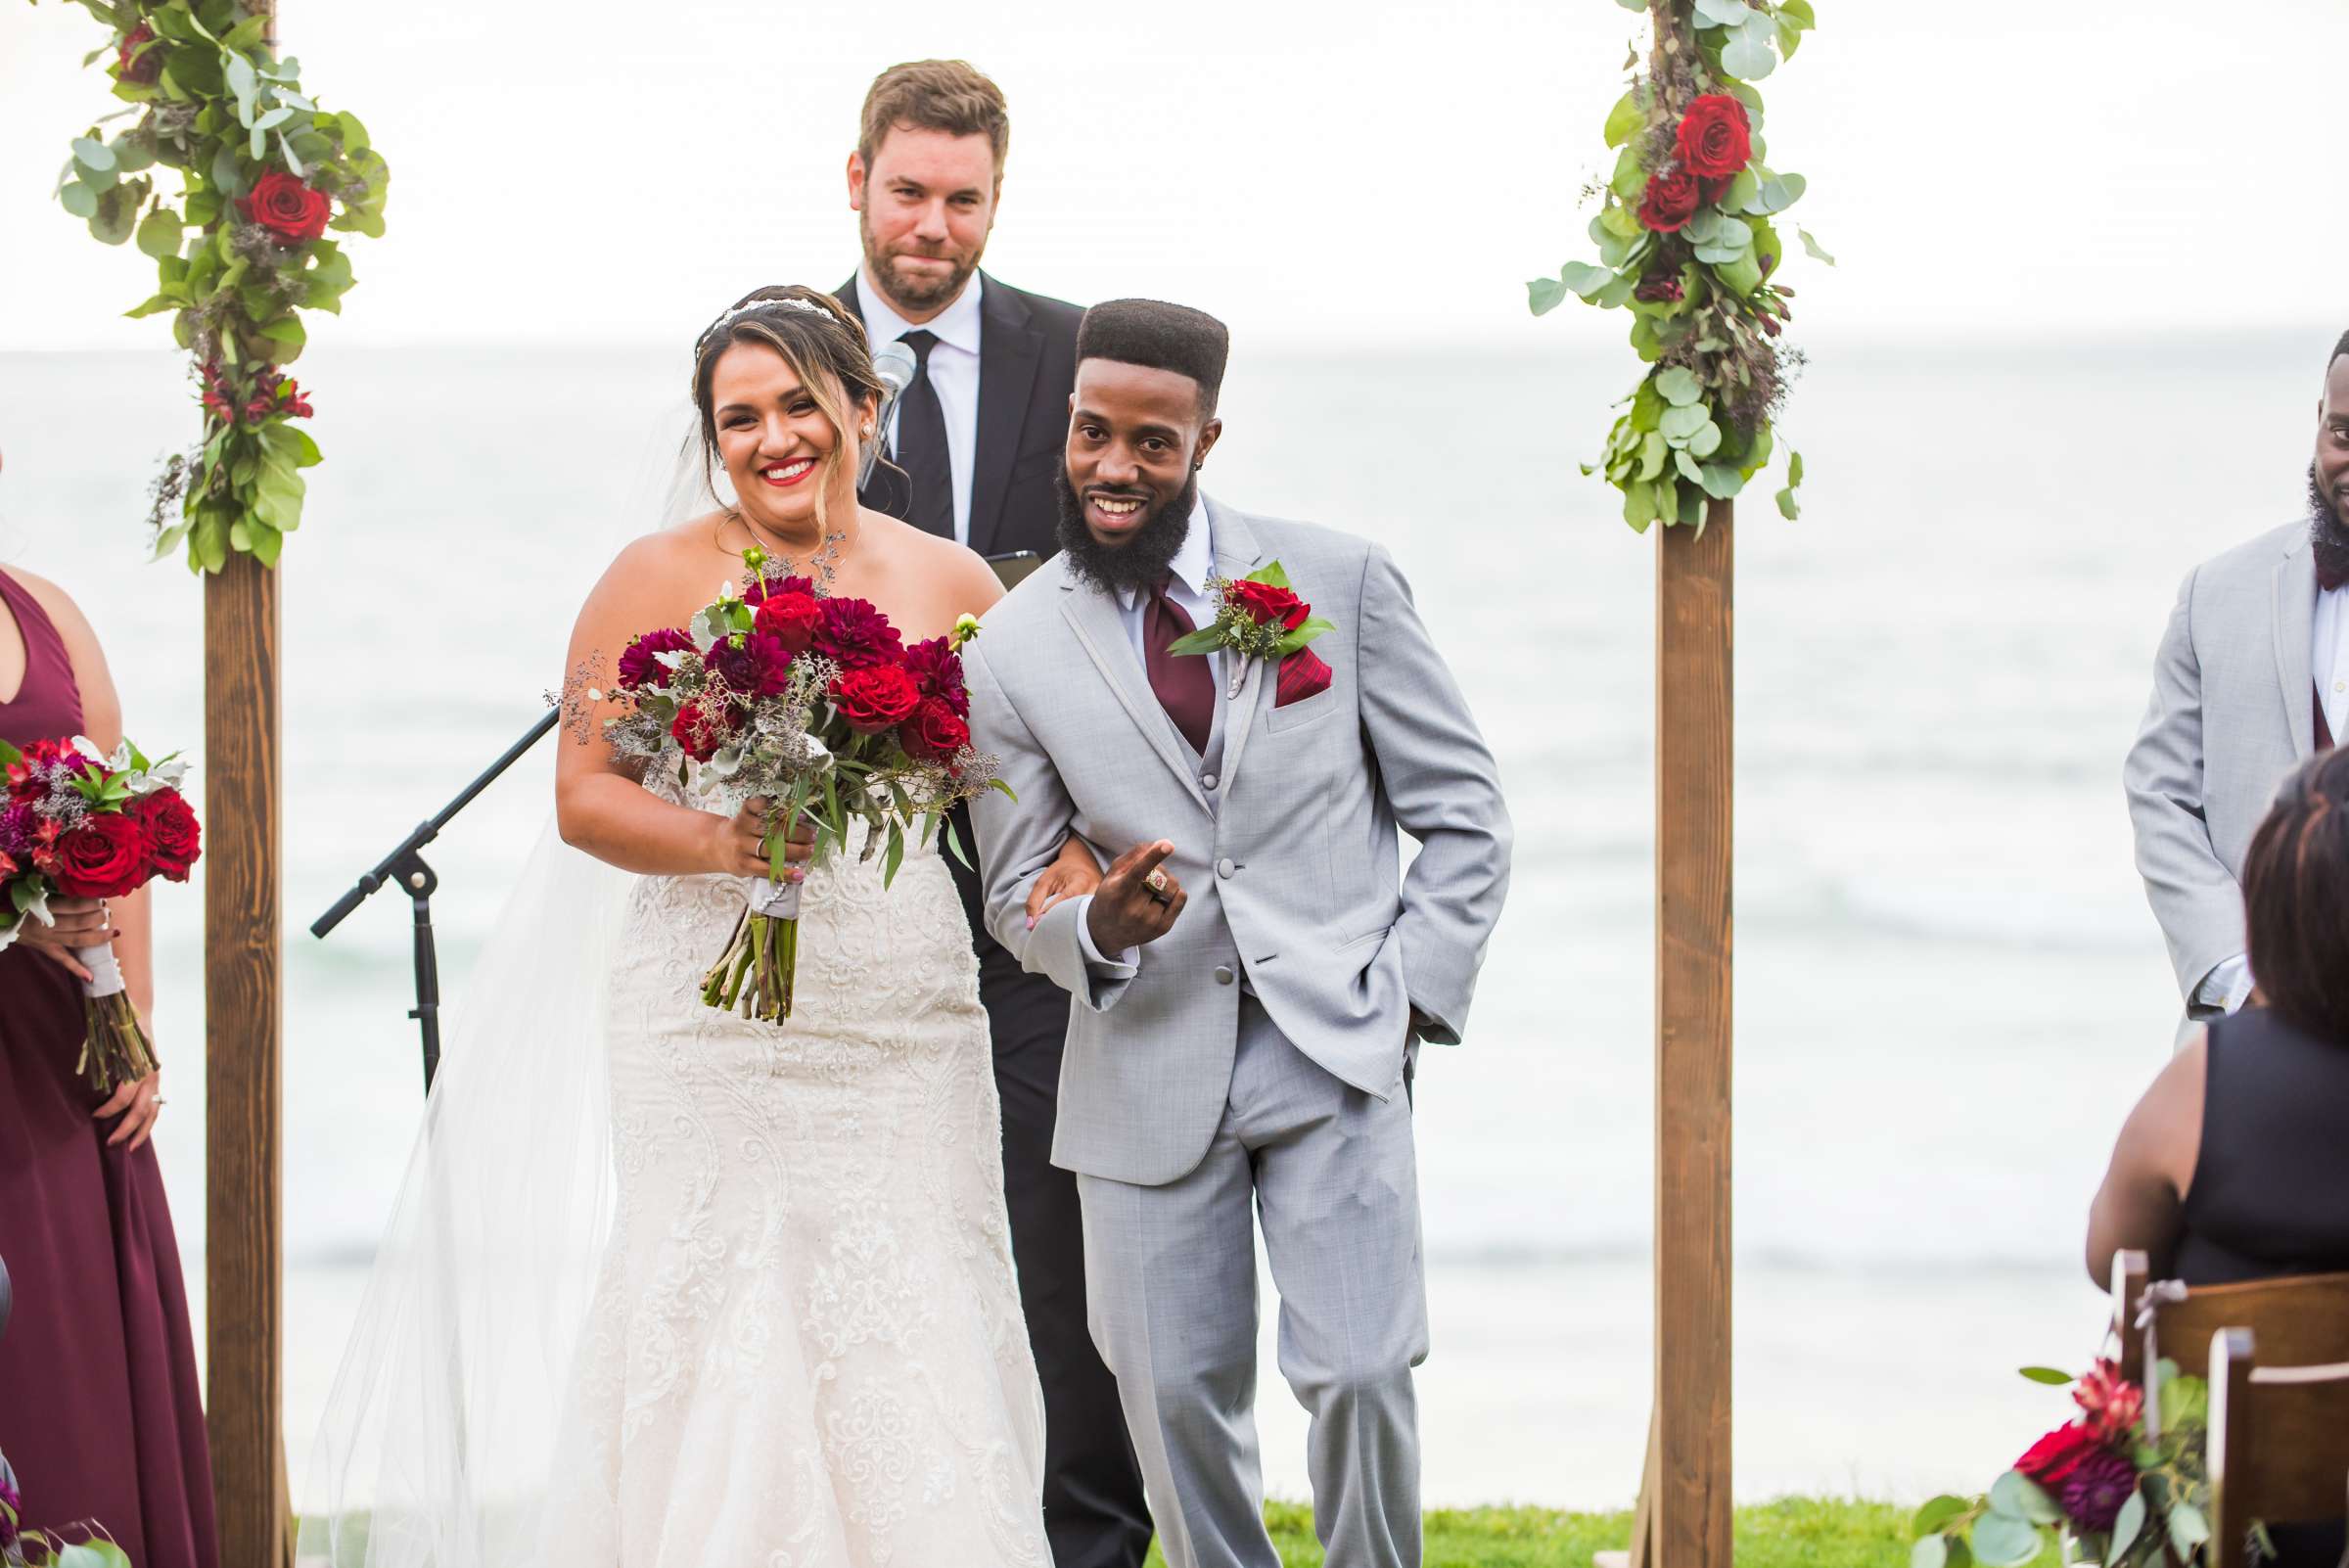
x=805 y=1347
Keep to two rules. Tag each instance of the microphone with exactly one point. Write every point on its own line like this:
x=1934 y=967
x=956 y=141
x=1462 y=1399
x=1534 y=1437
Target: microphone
x=894 y=363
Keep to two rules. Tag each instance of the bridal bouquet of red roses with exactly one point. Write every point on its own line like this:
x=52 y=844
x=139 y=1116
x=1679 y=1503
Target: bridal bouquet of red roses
x=79 y=824
x=813 y=703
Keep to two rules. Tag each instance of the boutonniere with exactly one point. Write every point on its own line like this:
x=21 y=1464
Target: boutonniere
x=1261 y=617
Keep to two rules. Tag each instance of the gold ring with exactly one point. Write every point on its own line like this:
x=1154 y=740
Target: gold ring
x=1156 y=881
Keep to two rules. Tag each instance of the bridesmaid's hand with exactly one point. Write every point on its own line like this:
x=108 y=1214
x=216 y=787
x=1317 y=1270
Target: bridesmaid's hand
x=80 y=923
x=1072 y=875
x=138 y=1104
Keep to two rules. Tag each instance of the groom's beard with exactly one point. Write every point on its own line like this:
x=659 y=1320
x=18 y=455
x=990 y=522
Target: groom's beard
x=2325 y=530
x=1141 y=560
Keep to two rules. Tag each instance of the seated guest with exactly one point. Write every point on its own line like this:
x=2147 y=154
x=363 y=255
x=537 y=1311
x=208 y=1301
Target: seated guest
x=2234 y=1166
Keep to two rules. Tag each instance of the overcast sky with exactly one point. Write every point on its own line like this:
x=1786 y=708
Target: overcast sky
x=1317 y=172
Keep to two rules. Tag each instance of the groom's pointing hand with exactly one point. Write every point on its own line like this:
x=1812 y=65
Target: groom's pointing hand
x=1127 y=908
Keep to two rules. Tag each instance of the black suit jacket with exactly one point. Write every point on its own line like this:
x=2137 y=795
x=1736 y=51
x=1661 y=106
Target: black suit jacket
x=1026 y=370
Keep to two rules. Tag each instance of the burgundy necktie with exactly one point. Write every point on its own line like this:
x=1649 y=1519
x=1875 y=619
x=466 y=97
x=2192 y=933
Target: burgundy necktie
x=1185 y=685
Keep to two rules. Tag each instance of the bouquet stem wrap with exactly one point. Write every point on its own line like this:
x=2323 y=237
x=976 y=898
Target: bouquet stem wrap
x=756 y=974
x=115 y=1050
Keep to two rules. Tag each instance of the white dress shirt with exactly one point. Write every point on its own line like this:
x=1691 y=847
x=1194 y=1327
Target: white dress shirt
x=954 y=372
x=1186 y=585
x=2229 y=985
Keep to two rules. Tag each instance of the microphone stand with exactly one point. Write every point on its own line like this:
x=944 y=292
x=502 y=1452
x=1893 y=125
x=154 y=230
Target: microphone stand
x=405 y=866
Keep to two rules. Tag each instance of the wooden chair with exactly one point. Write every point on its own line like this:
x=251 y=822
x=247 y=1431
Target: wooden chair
x=2279 y=1442
x=2301 y=1320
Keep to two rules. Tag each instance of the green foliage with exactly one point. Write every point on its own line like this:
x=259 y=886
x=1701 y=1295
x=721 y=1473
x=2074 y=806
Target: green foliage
x=1706 y=303
x=209 y=106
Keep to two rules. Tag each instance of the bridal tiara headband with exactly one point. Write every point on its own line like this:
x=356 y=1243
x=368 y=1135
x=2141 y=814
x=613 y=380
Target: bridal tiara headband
x=749 y=305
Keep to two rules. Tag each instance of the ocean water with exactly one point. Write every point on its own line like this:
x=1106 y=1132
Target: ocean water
x=1948 y=988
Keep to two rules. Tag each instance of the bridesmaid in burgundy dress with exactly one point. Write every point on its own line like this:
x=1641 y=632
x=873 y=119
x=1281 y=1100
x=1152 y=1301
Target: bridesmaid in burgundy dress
x=100 y=1412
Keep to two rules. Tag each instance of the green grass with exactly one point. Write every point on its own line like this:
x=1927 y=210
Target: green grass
x=1789 y=1533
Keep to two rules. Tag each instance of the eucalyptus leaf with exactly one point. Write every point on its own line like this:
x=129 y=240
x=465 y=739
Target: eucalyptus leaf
x=93 y=154
x=1930 y=1551
x=1679 y=386
x=1788 y=507
x=1544 y=294
x=1629 y=179
x=242 y=82
x=2126 y=1529
x=1782 y=193
x=1625 y=120
x=1743 y=193
x=79 y=199
x=1706 y=441
x=1794 y=469
x=2019 y=1496
x=1722 y=13
x=1722 y=482
x=1585 y=279
x=1749 y=54
x=1936 y=1513
x=1682 y=423
x=2002 y=1541
x=1690 y=469
x=1812 y=245
x=1742 y=275
x=1653 y=449
x=2189 y=1528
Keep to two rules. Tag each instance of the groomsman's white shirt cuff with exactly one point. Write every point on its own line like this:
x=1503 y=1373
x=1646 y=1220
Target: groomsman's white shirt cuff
x=1124 y=966
x=2227 y=986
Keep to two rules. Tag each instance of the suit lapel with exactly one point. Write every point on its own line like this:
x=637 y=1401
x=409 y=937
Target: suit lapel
x=1010 y=348
x=2295 y=631
x=1093 y=615
x=1236 y=555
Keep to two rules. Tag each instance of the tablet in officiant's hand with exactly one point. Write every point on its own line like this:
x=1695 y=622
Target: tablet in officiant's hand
x=1012 y=568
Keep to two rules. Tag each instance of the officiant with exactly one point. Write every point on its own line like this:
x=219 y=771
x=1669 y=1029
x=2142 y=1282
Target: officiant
x=973 y=445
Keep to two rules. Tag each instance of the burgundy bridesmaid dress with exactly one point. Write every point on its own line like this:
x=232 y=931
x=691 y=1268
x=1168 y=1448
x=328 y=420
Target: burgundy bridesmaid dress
x=100 y=1412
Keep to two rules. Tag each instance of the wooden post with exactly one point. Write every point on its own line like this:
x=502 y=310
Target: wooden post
x=244 y=1027
x=1690 y=1472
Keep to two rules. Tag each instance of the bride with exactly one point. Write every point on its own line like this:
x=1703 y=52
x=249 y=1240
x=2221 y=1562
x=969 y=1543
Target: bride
x=768 y=1316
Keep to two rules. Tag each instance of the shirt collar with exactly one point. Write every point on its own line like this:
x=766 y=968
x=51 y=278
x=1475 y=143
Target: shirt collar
x=1194 y=562
x=956 y=326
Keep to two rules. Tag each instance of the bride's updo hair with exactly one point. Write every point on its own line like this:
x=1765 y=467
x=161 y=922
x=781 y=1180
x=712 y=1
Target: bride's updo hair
x=825 y=347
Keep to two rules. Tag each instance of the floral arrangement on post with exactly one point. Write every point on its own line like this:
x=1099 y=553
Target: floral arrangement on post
x=264 y=174
x=2123 y=1484
x=1689 y=243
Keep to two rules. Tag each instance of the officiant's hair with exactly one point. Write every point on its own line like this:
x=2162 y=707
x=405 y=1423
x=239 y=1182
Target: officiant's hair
x=953 y=96
x=2296 y=899
x=825 y=347
x=1159 y=336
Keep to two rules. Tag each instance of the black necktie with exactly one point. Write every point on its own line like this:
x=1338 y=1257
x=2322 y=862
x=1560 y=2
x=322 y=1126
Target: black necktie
x=921 y=444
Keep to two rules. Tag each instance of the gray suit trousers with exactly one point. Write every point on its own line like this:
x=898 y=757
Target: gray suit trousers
x=1171 y=1279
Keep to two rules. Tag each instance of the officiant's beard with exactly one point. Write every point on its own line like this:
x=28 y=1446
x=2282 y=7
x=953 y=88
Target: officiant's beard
x=1143 y=557
x=2325 y=530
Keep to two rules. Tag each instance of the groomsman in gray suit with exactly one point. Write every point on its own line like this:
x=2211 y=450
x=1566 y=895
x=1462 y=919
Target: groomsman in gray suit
x=2252 y=680
x=1253 y=976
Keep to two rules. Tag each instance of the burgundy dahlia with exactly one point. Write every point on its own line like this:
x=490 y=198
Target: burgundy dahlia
x=857 y=636
x=2095 y=1493
x=753 y=662
x=757 y=594
x=936 y=669
x=17 y=825
x=637 y=665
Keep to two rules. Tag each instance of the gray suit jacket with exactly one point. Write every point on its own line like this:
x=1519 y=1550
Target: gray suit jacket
x=1290 y=856
x=2232 y=713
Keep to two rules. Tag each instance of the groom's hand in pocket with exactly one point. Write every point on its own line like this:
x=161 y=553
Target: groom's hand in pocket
x=1126 y=910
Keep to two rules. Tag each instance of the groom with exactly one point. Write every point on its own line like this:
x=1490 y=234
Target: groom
x=1253 y=976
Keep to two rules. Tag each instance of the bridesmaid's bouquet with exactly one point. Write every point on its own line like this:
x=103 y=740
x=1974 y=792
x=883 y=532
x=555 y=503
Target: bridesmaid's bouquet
x=80 y=824
x=812 y=702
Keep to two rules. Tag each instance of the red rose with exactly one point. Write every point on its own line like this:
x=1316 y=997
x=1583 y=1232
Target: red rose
x=1267 y=605
x=1715 y=138
x=105 y=858
x=1302 y=674
x=701 y=727
x=135 y=61
x=1669 y=202
x=875 y=698
x=790 y=616
x=2056 y=1455
x=174 y=840
x=286 y=208
x=935 y=733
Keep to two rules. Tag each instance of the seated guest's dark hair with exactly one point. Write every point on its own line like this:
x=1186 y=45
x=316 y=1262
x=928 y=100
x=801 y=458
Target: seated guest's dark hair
x=1162 y=337
x=2296 y=899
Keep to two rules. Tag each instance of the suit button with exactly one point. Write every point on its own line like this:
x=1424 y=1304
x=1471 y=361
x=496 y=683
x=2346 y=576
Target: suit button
x=1207 y=781
x=1223 y=974
x=1224 y=868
